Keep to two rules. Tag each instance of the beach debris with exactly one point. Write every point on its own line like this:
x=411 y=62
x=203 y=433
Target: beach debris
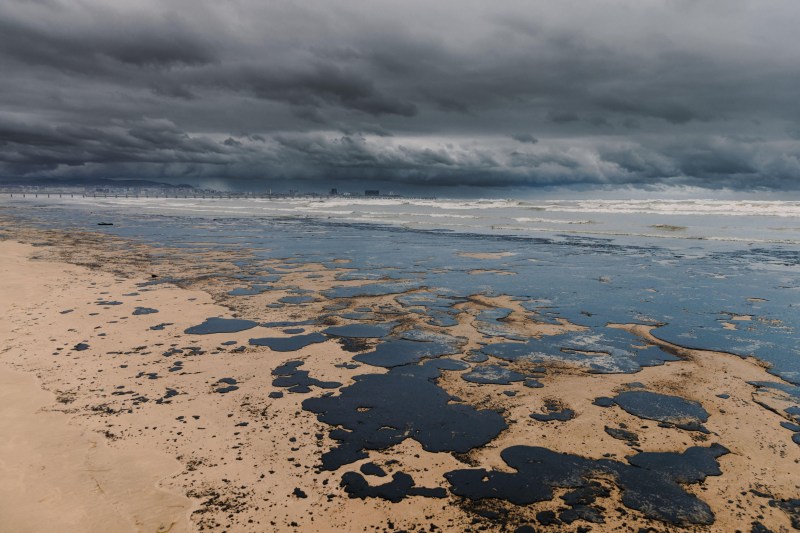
x=554 y=411
x=620 y=433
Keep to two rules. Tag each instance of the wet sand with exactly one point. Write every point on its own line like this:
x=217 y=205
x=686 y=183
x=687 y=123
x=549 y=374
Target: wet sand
x=116 y=423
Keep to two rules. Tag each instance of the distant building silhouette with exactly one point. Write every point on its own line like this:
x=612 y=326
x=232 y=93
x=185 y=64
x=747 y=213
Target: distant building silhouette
x=372 y=192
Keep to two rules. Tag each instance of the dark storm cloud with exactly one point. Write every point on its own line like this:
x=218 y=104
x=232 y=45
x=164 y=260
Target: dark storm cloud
x=673 y=92
x=315 y=85
x=562 y=117
x=93 y=46
x=674 y=112
x=46 y=147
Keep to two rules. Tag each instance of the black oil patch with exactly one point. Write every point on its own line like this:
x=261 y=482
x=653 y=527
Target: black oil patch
x=792 y=509
x=671 y=410
x=401 y=486
x=580 y=502
x=398 y=352
x=298 y=380
x=289 y=344
x=354 y=344
x=367 y=331
x=220 y=325
x=651 y=483
x=381 y=410
x=231 y=385
x=296 y=299
x=555 y=411
x=144 y=311
x=371 y=469
x=603 y=401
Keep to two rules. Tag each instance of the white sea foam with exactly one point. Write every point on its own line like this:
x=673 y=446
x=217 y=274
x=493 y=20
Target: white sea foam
x=746 y=221
x=412 y=214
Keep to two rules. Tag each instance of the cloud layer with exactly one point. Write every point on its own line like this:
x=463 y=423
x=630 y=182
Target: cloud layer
x=535 y=92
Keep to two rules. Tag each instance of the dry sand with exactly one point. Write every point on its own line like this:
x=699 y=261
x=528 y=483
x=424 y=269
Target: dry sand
x=94 y=441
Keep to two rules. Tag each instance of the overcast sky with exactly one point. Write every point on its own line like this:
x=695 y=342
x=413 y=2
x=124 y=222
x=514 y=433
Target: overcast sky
x=491 y=94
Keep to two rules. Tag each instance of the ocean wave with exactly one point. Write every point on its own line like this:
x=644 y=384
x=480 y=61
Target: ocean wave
x=776 y=208
x=552 y=221
x=326 y=211
x=434 y=203
x=612 y=233
x=413 y=214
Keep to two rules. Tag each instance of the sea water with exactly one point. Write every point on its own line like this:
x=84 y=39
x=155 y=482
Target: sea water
x=685 y=266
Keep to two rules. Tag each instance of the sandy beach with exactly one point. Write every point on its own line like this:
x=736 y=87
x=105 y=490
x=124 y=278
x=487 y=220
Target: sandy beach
x=529 y=266
x=117 y=419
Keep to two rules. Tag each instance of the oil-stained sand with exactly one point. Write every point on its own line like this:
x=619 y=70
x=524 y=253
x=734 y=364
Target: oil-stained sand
x=442 y=429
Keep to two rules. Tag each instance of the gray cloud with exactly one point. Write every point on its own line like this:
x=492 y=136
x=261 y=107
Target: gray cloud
x=524 y=138
x=562 y=117
x=664 y=92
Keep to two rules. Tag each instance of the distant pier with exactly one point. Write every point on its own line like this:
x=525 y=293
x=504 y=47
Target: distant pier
x=203 y=196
